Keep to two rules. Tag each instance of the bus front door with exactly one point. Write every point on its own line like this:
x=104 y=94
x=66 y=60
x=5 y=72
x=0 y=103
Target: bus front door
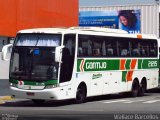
x=68 y=56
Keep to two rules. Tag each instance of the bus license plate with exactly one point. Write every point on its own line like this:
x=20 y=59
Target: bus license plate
x=30 y=93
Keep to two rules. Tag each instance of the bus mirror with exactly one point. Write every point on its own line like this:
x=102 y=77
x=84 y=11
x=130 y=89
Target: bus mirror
x=6 y=51
x=58 y=53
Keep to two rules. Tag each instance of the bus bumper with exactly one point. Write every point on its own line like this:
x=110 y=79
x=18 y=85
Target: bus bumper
x=45 y=94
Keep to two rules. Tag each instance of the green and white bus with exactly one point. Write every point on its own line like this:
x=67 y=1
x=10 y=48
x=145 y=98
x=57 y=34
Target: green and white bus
x=79 y=62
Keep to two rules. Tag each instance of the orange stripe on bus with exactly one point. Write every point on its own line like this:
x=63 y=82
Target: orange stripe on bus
x=129 y=75
x=133 y=64
x=122 y=64
x=132 y=67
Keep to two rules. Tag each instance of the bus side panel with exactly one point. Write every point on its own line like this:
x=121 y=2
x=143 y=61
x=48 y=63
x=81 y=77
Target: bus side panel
x=153 y=78
x=113 y=83
x=96 y=83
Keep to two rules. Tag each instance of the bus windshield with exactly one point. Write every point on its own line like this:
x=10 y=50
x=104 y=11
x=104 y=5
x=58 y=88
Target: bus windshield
x=33 y=58
x=48 y=40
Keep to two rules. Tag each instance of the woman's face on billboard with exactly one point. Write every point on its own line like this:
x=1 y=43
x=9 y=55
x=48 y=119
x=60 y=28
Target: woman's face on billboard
x=123 y=20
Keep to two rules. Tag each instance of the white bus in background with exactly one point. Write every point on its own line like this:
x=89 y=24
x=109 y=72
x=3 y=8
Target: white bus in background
x=79 y=62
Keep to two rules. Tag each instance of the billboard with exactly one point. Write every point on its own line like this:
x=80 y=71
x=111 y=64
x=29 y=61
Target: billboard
x=128 y=20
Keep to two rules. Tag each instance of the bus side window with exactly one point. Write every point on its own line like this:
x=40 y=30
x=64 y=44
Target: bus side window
x=103 y=49
x=84 y=48
x=124 y=52
x=143 y=51
x=135 y=48
x=89 y=48
x=96 y=52
x=152 y=49
x=109 y=50
x=135 y=52
x=123 y=47
x=111 y=46
x=152 y=52
x=80 y=51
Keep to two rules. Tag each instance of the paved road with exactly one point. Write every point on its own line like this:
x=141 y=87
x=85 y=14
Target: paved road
x=103 y=107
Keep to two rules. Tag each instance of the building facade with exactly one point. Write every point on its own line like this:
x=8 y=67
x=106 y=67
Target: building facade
x=148 y=11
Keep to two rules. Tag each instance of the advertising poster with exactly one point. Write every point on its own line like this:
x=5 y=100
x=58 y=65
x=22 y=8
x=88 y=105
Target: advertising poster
x=128 y=20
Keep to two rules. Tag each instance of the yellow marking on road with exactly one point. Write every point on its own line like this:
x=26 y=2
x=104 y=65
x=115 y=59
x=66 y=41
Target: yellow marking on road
x=2 y=102
x=6 y=98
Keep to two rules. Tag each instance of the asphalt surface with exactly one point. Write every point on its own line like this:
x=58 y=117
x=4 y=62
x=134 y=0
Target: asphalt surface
x=95 y=108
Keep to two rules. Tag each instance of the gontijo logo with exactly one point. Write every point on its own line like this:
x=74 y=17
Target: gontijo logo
x=92 y=65
x=96 y=65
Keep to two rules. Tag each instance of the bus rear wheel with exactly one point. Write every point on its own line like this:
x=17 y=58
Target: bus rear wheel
x=135 y=89
x=80 y=95
x=142 y=88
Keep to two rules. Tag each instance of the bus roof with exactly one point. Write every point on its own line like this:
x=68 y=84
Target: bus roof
x=88 y=30
x=43 y=30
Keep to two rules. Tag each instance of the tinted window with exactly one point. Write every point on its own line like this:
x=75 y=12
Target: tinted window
x=105 y=46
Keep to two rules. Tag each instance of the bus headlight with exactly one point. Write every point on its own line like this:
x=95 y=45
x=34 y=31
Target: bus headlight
x=51 y=86
x=13 y=85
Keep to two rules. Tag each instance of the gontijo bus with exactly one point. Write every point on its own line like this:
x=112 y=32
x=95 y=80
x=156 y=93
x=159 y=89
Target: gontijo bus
x=78 y=62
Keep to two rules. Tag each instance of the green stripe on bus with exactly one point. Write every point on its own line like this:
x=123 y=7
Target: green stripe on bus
x=140 y=64
x=48 y=82
x=128 y=64
x=113 y=64
x=104 y=65
x=51 y=82
x=78 y=64
x=97 y=65
x=124 y=76
x=149 y=63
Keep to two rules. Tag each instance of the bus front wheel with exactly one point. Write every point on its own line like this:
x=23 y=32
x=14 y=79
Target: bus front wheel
x=80 y=95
